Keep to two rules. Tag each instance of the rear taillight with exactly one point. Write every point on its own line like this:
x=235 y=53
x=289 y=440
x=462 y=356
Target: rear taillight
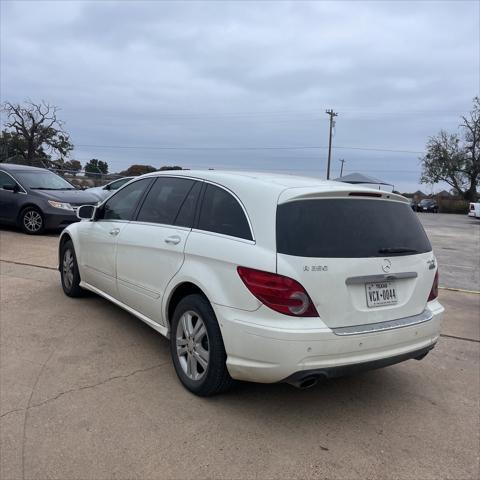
x=434 y=291
x=277 y=292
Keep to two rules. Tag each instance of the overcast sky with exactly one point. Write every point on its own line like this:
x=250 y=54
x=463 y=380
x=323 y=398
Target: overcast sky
x=219 y=81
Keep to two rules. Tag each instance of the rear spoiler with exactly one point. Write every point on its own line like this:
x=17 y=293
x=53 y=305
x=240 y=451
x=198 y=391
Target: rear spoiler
x=342 y=191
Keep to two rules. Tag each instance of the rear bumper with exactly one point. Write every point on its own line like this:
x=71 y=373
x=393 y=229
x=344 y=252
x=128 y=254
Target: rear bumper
x=271 y=352
x=332 y=372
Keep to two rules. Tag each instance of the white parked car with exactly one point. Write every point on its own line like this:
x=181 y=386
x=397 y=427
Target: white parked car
x=257 y=277
x=474 y=210
x=110 y=188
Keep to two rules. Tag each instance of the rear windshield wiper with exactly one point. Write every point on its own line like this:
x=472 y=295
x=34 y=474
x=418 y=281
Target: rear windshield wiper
x=398 y=250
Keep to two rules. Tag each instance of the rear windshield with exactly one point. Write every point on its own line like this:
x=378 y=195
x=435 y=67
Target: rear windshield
x=347 y=228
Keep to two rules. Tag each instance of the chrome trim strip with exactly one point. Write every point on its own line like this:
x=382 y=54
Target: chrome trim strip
x=212 y=182
x=425 y=316
x=379 y=278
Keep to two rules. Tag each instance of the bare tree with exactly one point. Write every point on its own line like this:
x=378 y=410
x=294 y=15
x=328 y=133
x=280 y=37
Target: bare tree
x=37 y=130
x=455 y=158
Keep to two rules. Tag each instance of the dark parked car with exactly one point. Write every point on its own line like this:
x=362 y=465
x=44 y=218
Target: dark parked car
x=36 y=199
x=427 y=205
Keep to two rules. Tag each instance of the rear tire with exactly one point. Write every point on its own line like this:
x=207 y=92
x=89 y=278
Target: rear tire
x=69 y=273
x=32 y=221
x=197 y=348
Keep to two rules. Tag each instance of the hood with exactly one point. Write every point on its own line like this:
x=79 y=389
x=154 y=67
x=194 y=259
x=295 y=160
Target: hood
x=74 y=197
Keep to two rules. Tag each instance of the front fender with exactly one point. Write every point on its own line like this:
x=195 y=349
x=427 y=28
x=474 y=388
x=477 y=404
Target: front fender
x=72 y=232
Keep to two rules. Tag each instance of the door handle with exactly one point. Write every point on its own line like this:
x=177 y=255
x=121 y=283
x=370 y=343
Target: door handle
x=173 y=240
x=114 y=231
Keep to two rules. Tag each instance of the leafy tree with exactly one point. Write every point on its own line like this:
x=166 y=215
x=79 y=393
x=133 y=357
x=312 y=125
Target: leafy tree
x=135 y=170
x=32 y=132
x=454 y=158
x=95 y=167
x=73 y=166
x=175 y=167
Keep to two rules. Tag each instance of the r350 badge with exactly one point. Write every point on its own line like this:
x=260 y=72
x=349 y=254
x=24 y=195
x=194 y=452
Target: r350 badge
x=315 y=268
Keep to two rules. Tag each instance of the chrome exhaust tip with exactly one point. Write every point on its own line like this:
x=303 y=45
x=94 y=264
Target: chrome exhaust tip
x=304 y=383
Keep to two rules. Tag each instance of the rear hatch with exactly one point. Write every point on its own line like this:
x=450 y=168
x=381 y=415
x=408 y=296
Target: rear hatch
x=362 y=256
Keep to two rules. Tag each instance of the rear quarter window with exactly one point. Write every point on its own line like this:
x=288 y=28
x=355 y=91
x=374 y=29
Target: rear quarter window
x=221 y=213
x=348 y=228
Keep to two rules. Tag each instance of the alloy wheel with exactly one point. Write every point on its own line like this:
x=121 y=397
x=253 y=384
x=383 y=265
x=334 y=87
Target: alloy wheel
x=67 y=268
x=32 y=220
x=192 y=344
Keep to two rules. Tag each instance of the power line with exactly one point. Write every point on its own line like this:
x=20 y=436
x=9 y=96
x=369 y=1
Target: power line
x=292 y=147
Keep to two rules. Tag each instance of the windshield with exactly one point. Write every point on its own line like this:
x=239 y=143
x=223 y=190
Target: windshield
x=425 y=202
x=346 y=228
x=43 y=180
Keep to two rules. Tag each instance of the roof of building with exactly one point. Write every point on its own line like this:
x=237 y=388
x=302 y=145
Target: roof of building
x=354 y=178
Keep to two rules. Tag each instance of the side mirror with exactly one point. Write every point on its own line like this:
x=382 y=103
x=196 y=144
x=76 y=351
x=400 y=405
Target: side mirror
x=86 y=212
x=107 y=187
x=12 y=188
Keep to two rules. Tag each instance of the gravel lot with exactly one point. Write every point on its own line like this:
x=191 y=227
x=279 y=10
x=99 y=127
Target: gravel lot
x=88 y=391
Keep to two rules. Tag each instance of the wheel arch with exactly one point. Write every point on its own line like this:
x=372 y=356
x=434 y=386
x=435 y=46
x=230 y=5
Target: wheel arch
x=180 y=291
x=64 y=237
x=27 y=205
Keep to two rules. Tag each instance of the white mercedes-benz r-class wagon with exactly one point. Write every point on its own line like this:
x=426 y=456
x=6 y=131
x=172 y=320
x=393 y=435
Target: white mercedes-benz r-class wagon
x=261 y=277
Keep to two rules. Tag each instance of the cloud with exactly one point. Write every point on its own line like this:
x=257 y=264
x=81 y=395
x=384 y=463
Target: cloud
x=239 y=74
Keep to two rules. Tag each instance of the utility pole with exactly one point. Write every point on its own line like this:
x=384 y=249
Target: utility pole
x=342 y=161
x=332 y=123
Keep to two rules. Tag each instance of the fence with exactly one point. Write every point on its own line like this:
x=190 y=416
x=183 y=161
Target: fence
x=83 y=179
x=452 y=205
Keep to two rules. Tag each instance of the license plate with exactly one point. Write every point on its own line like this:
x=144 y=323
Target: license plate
x=380 y=294
x=424 y=208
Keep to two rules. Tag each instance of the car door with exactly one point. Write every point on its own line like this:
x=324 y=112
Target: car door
x=99 y=237
x=150 y=249
x=9 y=199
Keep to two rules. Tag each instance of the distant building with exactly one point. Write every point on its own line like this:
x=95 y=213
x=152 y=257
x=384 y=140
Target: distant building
x=366 y=181
x=418 y=195
x=444 y=194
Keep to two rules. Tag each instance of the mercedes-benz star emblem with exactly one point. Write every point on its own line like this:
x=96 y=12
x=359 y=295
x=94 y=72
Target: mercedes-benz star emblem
x=387 y=265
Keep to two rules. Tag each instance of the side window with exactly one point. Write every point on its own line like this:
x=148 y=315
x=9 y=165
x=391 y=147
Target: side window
x=6 y=179
x=186 y=214
x=222 y=213
x=164 y=200
x=116 y=185
x=121 y=206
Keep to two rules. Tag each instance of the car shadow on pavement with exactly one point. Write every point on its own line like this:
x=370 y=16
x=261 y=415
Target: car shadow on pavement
x=385 y=388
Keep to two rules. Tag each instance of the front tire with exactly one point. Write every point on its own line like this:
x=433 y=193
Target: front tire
x=69 y=273
x=197 y=348
x=32 y=221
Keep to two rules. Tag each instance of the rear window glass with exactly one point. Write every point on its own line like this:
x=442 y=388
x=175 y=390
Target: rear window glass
x=346 y=228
